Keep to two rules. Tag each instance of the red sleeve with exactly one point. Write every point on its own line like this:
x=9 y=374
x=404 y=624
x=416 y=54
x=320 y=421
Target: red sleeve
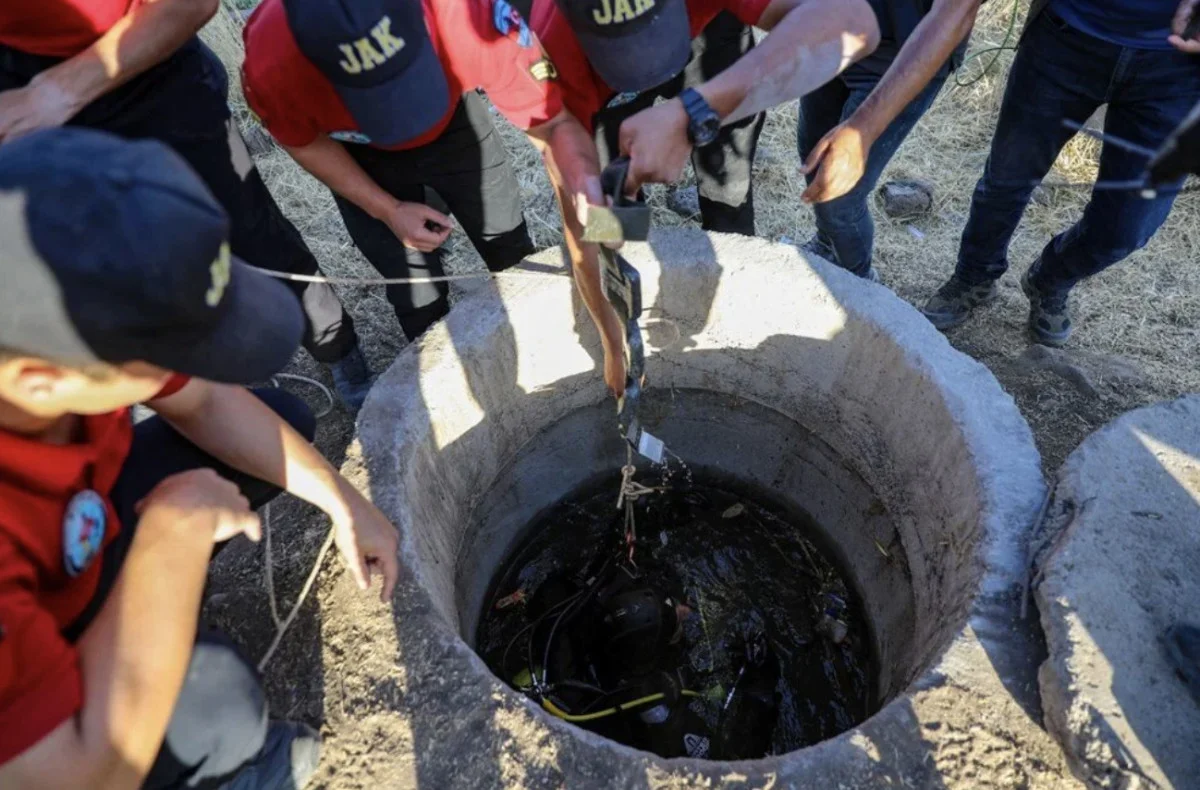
x=173 y=385
x=701 y=12
x=41 y=685
x=582 y=90
x=521 y=81
x=269 y=73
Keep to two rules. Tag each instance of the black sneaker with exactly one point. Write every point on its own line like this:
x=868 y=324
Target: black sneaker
x=1049 y=318
x=1182 y=642
x=953 y=303
x=352 y=378
x=288 y=759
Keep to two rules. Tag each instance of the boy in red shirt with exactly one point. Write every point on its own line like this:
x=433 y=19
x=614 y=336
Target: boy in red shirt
x=118 y=286
x=377 y=99
x=135 y=68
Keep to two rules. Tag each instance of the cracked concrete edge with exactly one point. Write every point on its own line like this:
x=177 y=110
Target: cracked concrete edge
x=885 y=749
x=1100 y=753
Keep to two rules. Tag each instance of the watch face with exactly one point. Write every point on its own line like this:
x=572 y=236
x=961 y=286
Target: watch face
x=706 y=130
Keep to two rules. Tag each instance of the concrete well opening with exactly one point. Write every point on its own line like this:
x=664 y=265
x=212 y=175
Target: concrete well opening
x=777 y=371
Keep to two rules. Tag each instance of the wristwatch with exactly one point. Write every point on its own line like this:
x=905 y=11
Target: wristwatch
x=703 y=121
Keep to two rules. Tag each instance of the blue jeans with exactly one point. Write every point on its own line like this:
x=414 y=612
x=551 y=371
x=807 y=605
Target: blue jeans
x=1061 y=73
x=845 y=230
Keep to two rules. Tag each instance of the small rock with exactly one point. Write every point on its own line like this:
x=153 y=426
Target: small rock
x=906 y=198
x=733 y=511
x=1084 y=370
x=834 y=630
x=684 y=201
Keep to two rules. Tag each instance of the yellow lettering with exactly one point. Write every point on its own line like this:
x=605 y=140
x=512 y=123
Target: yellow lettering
x=605 y=17
x=350 y=65
x=382 y=33
x=622 y=12
x=369 y=56
x=220 y=272
x=642 y=6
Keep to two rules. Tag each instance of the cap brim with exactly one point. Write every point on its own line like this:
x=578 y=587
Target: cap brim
x=645 y=59
x=404 y=107
x=256 y=337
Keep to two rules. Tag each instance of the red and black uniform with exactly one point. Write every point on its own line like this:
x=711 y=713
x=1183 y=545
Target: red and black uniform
x=183 y=103
x=66 y=522
x=721 y=34
x=461 y=158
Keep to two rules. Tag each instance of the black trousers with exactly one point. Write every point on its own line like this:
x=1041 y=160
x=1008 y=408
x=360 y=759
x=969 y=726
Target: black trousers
x=469 y=169
x=219 y=722
x=724 y=168
x=183 y=103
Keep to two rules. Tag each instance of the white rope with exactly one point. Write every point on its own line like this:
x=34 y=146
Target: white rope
x=282 y=625
x=446 y=278
x=312 y=577
x=267 y=560
x=306 y=380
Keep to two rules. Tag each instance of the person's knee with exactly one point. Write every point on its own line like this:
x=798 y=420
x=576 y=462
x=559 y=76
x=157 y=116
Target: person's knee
x=505 y=250
x=294 y=411
x=844 y=214
x=220 y=718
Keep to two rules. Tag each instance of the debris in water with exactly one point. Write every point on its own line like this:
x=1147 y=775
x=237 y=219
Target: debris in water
x=882 y=550
x=510 y=600
x=767 y=576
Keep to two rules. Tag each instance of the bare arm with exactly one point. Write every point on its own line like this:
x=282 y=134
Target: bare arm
x=329 y=162
x=839 y=158
x=925 y=51
x=144 y=37
x=235 y=427
x=574 y=169
x=134 y=654
x=810 y=43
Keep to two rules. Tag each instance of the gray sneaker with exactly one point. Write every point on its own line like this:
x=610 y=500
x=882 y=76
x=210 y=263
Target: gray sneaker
x=288 y=759
x=1049 y=317
x=953 y=303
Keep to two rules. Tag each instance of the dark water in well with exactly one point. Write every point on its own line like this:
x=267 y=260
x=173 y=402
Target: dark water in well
x=742 y=564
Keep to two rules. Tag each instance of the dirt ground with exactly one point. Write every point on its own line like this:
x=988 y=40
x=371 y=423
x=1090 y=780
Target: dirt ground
x=1136 y=342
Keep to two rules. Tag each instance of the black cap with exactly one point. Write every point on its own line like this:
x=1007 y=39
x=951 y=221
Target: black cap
x=114 y=251
x=378 y=56
x=634 y=45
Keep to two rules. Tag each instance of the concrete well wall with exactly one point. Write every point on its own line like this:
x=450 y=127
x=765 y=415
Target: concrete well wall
x=771 y=367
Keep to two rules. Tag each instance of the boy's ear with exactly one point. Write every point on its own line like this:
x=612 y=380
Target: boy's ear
x=31 y=379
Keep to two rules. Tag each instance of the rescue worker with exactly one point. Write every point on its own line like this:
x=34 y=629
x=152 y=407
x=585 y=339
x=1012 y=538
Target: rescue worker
x=135 y=68
x=602 y=47
x=615 y=663
x=119 y=288
x=377 y=99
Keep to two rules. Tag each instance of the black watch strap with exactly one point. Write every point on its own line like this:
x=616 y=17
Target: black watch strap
x=703 y=121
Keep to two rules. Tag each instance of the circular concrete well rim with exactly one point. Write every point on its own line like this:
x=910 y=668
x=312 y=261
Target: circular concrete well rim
x=929 y=429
